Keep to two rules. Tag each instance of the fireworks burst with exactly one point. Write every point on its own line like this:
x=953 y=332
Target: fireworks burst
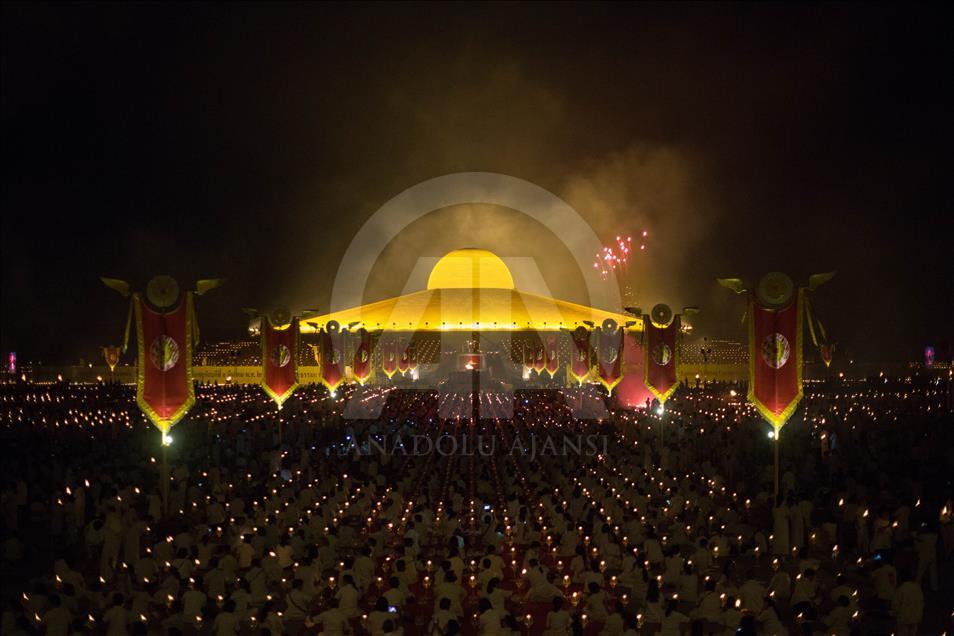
x=616 y=256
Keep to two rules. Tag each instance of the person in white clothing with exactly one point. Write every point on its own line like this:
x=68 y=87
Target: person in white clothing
x=908 y=605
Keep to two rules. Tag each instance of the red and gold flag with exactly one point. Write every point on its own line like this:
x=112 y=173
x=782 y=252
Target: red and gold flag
x=552 y=354
x=775 y=358
x=279 y=359
x=579 y=368
x=361 y=361
x=661 y=357
x=389 y=356
x=631 y=392
x=539 y=356
x=610 y=355
x=111 y=355
x=412 y=356
x=526 y=358
x=332 y=357
x=404 y=356
x=164 y=389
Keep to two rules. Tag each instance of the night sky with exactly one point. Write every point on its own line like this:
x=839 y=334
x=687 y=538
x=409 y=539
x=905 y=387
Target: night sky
x=251 y=142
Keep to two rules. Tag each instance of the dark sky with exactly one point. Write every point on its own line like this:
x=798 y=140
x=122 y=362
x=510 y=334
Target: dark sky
x=252 y=141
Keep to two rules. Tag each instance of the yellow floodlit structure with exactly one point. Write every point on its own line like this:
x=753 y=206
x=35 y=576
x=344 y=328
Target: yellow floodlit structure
x=470 y=269
x=470 y=290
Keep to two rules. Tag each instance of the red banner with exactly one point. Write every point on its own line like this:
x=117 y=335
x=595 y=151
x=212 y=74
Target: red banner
x=553 y=354
x=579 y=368
x=404 y=356
x=610 y=357
x=389 y=355
x=361 y=361
x=164 y=389
x=279 y=360
x=631 y=392
x=661 y=353
x=526 y=356
x=111 y=355
x=411 y=356
x=775 y=359
x=332 y=359
x=539 y=355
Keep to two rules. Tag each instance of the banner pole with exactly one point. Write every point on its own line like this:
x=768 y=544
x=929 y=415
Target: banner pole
x=164 y=477
x=777 y=441
x=475 y=386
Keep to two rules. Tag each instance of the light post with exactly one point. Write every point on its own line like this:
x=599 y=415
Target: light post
x=164 y=473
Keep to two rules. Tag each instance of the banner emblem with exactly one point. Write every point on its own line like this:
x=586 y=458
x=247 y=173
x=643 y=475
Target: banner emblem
x=164 y=353
x=662 y=354
x=776 y=350
x=281 y=356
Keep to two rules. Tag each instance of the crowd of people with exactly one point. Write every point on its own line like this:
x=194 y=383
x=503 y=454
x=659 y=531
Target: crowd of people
x=526 y=520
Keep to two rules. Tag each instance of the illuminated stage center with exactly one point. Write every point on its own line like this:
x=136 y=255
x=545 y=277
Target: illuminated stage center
x=469 y=289
x=472 y=318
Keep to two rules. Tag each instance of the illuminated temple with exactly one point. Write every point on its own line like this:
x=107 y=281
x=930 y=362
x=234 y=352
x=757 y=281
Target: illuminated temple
x=472 y=317
x=470 y=290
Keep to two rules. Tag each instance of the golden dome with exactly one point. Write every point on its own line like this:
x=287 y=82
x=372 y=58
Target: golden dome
x=469 y=289
x=470 y=268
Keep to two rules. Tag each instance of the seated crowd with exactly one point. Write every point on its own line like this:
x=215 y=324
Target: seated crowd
x=527 y=521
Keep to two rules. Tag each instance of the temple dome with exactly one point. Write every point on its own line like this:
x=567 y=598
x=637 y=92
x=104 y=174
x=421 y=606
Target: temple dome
x=470 y=268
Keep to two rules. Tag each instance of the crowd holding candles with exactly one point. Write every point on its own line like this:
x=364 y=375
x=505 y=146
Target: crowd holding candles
x=667 y=525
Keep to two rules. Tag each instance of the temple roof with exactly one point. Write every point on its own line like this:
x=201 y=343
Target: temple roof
x=470 y=289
